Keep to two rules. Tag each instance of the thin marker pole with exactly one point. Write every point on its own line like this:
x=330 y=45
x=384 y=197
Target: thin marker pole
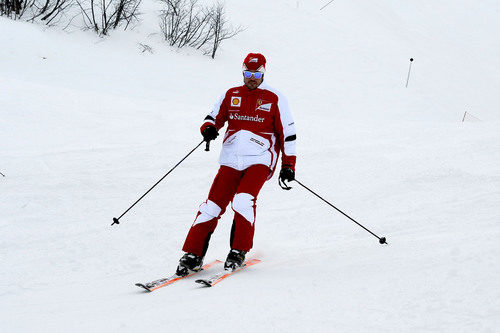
x=409 y=70
x=326 y=5
x=463 y=119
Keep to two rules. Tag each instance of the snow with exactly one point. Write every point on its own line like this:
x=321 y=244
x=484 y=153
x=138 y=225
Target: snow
x=88 y=125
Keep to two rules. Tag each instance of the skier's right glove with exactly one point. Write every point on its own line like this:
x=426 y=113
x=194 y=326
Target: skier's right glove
x=210 y=133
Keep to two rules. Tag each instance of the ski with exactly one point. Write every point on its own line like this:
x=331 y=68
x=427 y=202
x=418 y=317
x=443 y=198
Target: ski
x=153 y=285
x=216 y=278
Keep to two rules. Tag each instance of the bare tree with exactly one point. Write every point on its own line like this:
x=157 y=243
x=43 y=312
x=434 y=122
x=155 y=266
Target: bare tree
x=185 y=23
x=105 y=15
x=46 y=11
x=220 y=28
x=50 y=11
x=15 y=9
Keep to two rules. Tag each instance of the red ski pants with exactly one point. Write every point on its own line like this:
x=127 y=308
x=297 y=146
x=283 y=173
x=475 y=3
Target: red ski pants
x=240 y=187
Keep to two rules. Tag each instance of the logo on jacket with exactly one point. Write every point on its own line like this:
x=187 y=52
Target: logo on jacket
x=235 y=101
x=264 y=107
x=246 y=118
x=257 y=142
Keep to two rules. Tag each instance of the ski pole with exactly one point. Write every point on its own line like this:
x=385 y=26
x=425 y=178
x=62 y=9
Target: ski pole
x=381 y=240
x=116 y=220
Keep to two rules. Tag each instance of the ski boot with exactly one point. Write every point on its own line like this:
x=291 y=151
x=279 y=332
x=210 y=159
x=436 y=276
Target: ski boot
x=234 y=259
x=188 y=264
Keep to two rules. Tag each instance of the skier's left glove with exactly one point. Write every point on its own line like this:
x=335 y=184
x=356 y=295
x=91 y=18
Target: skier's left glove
x=286 y=174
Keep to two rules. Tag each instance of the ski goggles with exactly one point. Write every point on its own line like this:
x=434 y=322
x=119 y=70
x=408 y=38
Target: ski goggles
x=257 y=75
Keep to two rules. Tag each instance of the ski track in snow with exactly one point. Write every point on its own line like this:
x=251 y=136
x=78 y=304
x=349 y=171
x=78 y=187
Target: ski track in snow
x=91 y=127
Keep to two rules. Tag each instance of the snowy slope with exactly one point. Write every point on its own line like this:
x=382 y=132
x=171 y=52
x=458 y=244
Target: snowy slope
x=87 y=125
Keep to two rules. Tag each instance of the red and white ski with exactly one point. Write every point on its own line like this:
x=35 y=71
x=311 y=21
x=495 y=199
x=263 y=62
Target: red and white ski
x=153 y=285
x=216 y=278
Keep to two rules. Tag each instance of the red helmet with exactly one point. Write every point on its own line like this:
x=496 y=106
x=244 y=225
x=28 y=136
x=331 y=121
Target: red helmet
x=255 y=62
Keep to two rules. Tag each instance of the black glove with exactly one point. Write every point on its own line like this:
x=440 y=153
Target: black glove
x=210 y=133
x=287 y=174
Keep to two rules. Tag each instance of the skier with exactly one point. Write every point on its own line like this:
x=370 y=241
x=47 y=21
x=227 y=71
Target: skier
x=260 y=126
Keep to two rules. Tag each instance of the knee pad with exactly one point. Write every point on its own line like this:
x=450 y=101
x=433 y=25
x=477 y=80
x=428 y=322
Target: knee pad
x=208 y=210
x=243 y=204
